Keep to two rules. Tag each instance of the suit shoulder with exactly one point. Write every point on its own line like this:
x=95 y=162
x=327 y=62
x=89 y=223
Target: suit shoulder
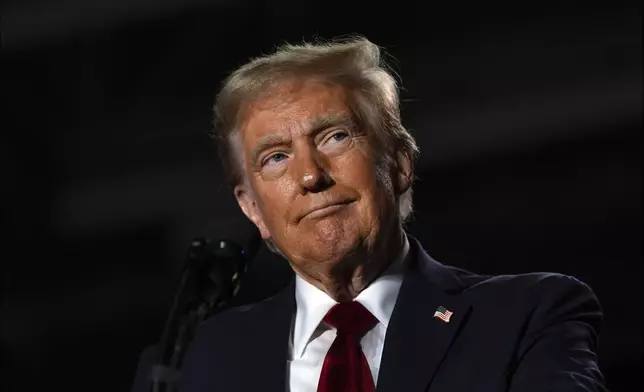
x=536 y=286
x=528 y=281
x=237 y=319
x=550 y=284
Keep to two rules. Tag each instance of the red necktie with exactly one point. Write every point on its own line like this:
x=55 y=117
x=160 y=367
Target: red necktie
x=345 y=367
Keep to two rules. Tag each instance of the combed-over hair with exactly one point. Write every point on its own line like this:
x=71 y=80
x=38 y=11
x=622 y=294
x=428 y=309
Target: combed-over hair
x=355 y=64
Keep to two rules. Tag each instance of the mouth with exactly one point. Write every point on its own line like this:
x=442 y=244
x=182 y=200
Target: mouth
x=325 y=210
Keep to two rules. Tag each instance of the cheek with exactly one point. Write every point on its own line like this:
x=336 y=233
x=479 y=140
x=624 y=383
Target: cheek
x=275 y=202
x=374 y=184
x=359 y=173
x=356 y=168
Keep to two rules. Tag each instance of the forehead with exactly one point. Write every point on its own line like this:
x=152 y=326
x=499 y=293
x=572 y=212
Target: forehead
x=292 y=107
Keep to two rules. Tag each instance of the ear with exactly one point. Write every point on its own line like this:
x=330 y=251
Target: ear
x=403 y=172
x=248 y=204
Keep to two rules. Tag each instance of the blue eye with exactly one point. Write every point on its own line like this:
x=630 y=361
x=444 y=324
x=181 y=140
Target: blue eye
x=278 y=157
x=339 y=136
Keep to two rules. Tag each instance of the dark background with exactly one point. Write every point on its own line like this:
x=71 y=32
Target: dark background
x=528 y=118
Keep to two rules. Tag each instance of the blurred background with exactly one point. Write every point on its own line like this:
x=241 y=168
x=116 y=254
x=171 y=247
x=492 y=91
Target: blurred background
x=528 y=118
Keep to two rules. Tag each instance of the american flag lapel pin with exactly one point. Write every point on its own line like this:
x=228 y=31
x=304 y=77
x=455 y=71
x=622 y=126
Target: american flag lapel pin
x=443 y=314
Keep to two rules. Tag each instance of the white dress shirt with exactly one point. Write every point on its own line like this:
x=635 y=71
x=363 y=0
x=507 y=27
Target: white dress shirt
x=311 y=338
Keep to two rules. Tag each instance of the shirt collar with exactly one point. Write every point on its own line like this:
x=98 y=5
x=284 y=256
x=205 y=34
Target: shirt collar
x=313 y=304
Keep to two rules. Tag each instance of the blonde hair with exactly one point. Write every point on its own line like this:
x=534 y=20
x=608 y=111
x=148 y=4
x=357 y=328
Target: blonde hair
x=354 y=63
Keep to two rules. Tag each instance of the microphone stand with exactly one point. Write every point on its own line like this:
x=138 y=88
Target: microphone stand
x=210 y=279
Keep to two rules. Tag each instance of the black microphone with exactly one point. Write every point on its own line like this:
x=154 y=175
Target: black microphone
x=210 y=279
x=226 y=261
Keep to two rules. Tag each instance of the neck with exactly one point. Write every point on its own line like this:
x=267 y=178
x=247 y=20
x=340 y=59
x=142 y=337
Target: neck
x=355 y=272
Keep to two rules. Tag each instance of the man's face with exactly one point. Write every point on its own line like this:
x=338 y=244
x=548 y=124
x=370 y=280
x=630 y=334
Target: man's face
x=312 y=180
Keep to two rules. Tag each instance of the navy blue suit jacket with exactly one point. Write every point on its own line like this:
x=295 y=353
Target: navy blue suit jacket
x=520 y=333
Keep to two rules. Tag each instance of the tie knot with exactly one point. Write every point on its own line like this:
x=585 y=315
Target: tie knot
x=350 y=318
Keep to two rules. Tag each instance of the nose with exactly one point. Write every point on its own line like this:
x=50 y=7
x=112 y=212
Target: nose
x=310 y=170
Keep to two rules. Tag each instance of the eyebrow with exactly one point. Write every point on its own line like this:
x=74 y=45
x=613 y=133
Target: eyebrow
x=330 y=120
x=265 y=143
x=316 y=125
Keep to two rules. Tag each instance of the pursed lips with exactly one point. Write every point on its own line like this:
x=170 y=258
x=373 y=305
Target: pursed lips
x=322 y=206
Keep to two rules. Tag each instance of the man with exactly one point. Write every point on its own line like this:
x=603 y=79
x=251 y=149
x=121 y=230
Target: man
x=321 y=164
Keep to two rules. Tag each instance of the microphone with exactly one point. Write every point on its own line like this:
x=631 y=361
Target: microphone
x=211 y=277
x=225 y=262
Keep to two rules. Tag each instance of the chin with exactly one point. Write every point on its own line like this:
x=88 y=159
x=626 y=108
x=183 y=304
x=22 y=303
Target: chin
x=325 y=240
x=332 y=248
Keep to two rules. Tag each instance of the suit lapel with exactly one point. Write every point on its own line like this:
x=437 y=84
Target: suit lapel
x=416 y=341
x=267 y=351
